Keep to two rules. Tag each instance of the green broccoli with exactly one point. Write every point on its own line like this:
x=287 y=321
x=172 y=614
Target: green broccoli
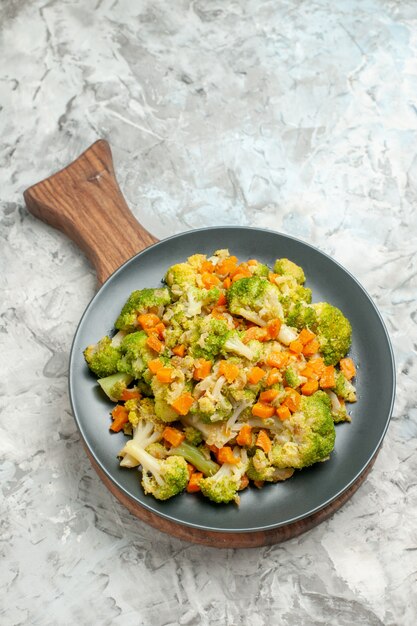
x=233 y=343
x=209 y=335
x=114 y=385
x=334 y=332
x=213 y=408
x=259 y=270
x=165 y=395
x=260 y=468
x=195 y=456
x=141 y=409
x=292 y=379
x=135 y=354
x=255 y=299
x=338 y=406
x=102 y=358
x=344 y=388
x=193 y=436
x=302 y=315
x=224 y=485
x=141 y=301
x=157 y=450
x=307 y=436
x=285 y=267
x=180 y=278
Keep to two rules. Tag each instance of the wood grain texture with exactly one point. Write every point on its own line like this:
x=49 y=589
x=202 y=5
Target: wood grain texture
x=216 y=539
x=85 y=202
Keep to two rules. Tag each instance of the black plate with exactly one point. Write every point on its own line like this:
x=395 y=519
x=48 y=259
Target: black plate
x=308 y=490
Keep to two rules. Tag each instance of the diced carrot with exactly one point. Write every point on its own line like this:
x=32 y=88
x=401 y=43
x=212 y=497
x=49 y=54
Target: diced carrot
x=229 y=370
x=273 y=328
x=183 y=403
x=283 y=412
x=226 y=266
x=227 y=282
x=194 y=482
x=209 y=280
x=263 y=441
x=309 y=387
x=241 y=274
x=277 y=359
x=260 y=334
x=308 y=372
x=165 y=374
x=225 y=455
x=191 y=469
x=207 y=266
x=148 y=320
x=296 y=346
x=218 y=313
x=252 y=262
x=154 y=343
x=306 y=335
x=222 y=300
x=311 y=347
x=347 y=368
x=274 y=377
x=158 y=330
x=179 y=350
x=244 y=437
x=173 y=436
x=328 y=378
x=214 y=449
x=268 y=396
x=155 y=365
x=120 y=418
x=244 y=482
x=272 y=277
x=130 y=394
x=317 y=365
x=255 y=375
x=202 y=369
x=292 y=399
x=262 y=410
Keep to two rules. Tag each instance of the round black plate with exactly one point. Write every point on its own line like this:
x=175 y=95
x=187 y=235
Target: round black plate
x=308 y=490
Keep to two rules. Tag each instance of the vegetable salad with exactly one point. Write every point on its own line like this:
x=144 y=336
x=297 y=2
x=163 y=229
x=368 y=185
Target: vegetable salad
x=226 y=376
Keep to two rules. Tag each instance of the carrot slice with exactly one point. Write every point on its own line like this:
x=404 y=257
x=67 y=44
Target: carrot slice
x=274 y=377
x=283 y=412
x=209 y=280
x=202 y=369
x=273 y=328
x=120 y=417
x=183 y=403
x=309 y=387
x=222 y=300
x=292 y=399
x=328 y=378
x=194 y=482
x=158 y=330
x=260 y=334
x=173 y=436
x=263 y=441
x=262 y=410
x=306 y=335
x=229 y=370
x=296 y=346
x=311 y=347
x=148 y=320
x=179 y=350
x=207 y=266
x=227 y=282
x=244 y=437
x=268 y=396
x=255 y=375
x=154 y=343
x=226 y=266
x=165 y=374
x=225 y=455
x=347 y=368
x=277 y=359
x=130 y=394
x=155 y=365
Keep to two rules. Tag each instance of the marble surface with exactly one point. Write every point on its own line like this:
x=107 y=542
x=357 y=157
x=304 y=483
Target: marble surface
x=296 y=116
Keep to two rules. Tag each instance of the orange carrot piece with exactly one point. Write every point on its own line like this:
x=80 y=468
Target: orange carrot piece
x=120 y=418
x=165 y=374
x=260 y=334
x=190 y=469
x=274 y=377
x=328 y=378
x=272 y=277
x=225 y=455
x=222 y=300
x=347 y=368
x=268 y=396
x=296 y=346
x=154 y=343
x=241 y=274
x=263 y=441
x=277 y=359
x=292 y=399
x=209 y=280
x=202 y=369
x=207 y=266
x=306 y=335
x=227 y=282
x=311 y=347
x=155 y=365
x=273 y=328
x=179 y=350
x=173 y=436
x=148 y=320
x=317 y=365
x=194 y=482
x=283 y=412
x=255 y=375
x=244 y=437
x=309 y=387
x=158 y=330
x=226 y=266
x=130 y=394
x=229 y=370
x=183 y=403
x=262 y=410
x=252 y=262
x=308 y=372
x=218 y=313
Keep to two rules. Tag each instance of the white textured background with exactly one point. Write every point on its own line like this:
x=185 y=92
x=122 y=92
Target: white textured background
x=299 y=116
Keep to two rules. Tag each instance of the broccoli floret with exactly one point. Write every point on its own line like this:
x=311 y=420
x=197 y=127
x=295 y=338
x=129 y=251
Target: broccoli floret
x=141 y=301
x=196 y=457
x=334 y=332
x=344 y=388
x=255 y=299
x=224 y=485
x=180 y=278
x=233 y=343
x=307 y=436
x=135 y=354
x=141 y=409
x=213 y=409
x=285 y=267
x=193 y=436
x=291 y=377
x=260 y=468
x=157 y=450
x=102 y=358
x=164 y=396
x=209 y=337
x=114 y=385
x=260 y=270
x=338 y=407
x=301 y=316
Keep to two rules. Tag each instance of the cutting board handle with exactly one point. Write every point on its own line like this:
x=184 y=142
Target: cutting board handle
x=85 y=202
